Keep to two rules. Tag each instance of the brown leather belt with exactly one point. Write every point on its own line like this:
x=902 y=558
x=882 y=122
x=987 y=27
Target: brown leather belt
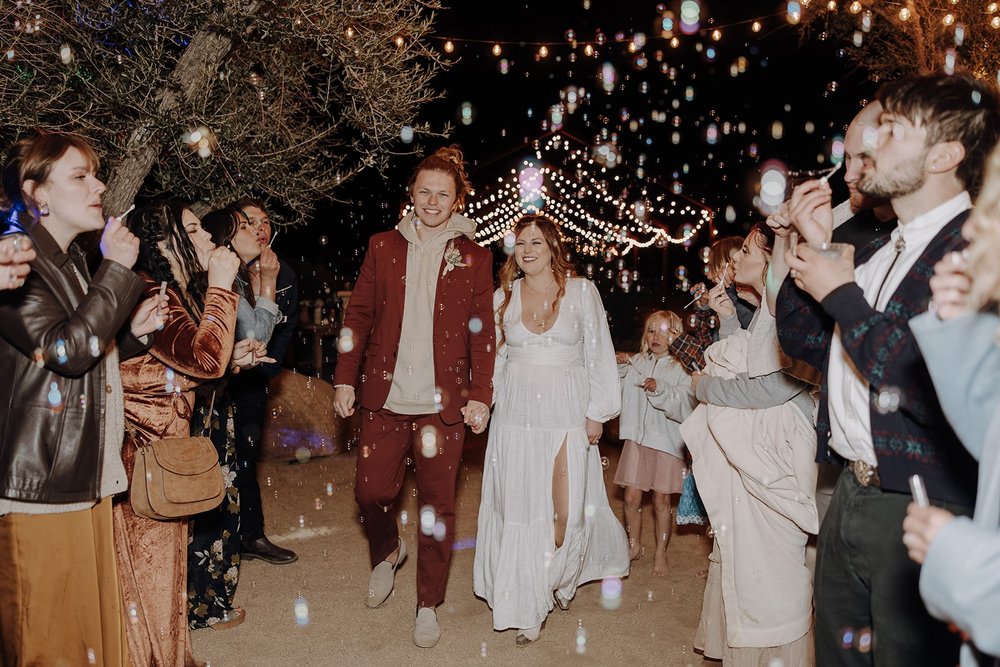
x=867 y=475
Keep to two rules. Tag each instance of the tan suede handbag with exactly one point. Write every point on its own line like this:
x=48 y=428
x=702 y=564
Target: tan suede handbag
x=176 y=477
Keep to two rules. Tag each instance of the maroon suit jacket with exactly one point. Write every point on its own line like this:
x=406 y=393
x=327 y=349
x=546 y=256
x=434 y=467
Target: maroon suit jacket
x=464 y=353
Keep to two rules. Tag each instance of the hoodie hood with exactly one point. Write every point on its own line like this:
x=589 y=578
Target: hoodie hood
x=457 y=225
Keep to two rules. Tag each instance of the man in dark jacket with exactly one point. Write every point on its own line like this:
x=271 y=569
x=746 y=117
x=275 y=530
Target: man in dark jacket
x=879 y=416
x=249 y=393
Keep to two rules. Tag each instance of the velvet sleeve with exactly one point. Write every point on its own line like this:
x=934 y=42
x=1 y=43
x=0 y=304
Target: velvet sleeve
x=198 y=349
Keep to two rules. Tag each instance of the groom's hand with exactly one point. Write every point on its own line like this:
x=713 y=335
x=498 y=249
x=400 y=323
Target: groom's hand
x=343 y=401
x=477 y=416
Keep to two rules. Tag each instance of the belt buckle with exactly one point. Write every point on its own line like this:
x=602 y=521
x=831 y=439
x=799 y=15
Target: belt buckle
x=866 y=474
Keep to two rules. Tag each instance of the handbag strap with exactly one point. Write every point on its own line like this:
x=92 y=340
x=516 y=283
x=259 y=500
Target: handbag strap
x=133 y=431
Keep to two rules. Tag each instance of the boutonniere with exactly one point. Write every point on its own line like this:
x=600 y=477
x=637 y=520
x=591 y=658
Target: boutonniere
x=452 y=258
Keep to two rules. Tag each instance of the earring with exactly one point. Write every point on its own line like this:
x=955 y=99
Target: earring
x=43 y=210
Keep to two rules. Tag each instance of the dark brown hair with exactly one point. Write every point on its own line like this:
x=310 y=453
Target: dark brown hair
x=955 y=107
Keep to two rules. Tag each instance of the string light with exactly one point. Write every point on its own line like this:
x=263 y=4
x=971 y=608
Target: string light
x=497 y=50
x=449 y=46
x=576 y=203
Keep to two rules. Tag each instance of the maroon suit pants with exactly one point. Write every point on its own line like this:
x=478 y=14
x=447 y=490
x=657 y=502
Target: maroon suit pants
x=387 y=440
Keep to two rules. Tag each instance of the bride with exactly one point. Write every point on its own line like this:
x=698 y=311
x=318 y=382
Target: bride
x=545 y=525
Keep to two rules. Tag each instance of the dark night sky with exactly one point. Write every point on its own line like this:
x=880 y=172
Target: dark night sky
x=785 y=79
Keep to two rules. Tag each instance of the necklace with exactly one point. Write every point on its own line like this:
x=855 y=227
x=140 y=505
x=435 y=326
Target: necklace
x=540 y=320
x=545 y=289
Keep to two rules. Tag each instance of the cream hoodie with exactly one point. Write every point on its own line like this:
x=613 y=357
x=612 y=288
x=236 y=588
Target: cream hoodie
x=413 y=391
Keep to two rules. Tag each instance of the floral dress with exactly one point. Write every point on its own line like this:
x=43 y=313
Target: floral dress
x=214 y=546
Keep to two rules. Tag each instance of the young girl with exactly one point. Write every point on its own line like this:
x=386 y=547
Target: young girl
x=656 y=398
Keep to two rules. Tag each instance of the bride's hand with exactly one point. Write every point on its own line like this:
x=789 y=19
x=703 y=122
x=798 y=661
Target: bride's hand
x=594 y=431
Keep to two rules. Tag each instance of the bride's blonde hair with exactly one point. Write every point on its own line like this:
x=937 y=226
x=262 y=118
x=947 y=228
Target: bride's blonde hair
x=984 y=252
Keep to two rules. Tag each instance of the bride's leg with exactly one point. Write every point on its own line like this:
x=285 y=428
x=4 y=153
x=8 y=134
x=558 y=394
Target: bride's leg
x=560 y=494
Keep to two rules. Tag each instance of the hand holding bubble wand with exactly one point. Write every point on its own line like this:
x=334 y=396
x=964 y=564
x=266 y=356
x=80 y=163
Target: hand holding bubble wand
x=121 y=218
x=703 y=291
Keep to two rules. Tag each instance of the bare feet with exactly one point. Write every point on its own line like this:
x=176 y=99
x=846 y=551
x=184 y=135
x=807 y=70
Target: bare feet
x=634 y=550
x=660 y=563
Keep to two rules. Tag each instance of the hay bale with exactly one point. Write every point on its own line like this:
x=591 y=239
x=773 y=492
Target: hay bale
x=300 y=422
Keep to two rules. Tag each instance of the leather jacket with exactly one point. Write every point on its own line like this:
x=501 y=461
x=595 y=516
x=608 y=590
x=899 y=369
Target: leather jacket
x=53 y=393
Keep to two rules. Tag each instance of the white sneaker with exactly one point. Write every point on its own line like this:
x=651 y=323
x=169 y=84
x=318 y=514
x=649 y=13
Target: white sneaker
x=426 y=631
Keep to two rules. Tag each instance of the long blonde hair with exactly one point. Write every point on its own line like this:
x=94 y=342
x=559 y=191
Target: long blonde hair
x=673 y=323
x=562 y=268
x=984 y=252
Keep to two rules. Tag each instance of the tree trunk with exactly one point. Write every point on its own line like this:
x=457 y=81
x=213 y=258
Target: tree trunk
x=195 y=71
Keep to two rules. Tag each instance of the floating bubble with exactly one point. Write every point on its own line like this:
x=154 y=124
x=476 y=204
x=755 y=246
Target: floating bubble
x=581 y=639
x=301 y=608
x=201 y=139
x=61 y=356
x=690 y=16
x=439 y=530
x=888 y=399
x=323 y=240
x=66 y=54
x=54 y=396
x=864 y=640
x=773 y=183
x=712 y=134
x=475 y=325
x=428 y=442
x=302 y=455
x=95 y=346
x=404 y=517
x=608 y=77
x=466 y=113
x=345 y=342
x=406 y=134
x=611 y=593
x=428 y=517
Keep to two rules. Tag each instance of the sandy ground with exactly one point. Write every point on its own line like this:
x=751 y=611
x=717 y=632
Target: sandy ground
x=311 y=613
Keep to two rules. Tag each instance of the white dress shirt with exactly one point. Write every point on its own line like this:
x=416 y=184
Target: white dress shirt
x=850 y=412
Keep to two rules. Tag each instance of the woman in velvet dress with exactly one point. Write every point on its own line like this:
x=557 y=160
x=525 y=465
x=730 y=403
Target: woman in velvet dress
x=214 y=550
x=195 y=345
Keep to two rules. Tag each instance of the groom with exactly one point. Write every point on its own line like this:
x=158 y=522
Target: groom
x=419 y=336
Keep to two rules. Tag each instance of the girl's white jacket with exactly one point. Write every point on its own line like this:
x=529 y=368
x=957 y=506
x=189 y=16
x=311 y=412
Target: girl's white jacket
x=653 y=419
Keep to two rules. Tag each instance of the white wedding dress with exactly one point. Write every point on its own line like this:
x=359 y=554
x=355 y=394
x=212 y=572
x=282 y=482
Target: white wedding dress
x=545 y=387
